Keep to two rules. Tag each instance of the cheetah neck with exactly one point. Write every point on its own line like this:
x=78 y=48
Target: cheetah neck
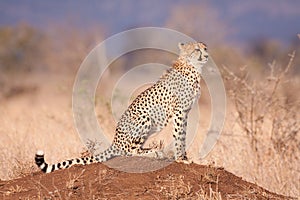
x=185 y=66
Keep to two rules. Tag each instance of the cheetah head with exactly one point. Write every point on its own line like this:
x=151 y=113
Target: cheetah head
x=194 y=53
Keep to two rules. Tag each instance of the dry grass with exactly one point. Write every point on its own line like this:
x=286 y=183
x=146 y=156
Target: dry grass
x=47 y=125
x=261 y=139
x=261 y=103
x=175 y=187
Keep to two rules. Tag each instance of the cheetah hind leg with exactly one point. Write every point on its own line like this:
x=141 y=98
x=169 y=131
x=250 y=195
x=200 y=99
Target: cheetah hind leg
x=140 y=135
x=150 y=153
x=138 y=150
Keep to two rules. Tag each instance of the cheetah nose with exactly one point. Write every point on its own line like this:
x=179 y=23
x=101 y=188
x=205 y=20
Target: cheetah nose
x=206 y=56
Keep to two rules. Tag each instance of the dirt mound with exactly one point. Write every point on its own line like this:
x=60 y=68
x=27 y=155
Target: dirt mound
x=98 y=181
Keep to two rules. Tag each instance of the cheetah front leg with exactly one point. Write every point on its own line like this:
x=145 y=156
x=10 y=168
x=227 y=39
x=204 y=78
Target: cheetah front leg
x=179 y=134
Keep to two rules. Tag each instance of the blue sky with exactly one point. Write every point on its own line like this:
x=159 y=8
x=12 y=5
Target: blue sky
x=245 y=20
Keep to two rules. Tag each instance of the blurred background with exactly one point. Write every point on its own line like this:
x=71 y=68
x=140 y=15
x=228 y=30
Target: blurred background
x=31 y=29
x=255 y=43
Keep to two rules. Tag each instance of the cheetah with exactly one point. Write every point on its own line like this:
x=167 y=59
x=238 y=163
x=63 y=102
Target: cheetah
x=170 y=98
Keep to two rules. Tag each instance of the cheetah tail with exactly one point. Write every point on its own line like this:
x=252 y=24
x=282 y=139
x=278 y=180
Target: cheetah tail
x=47 y=168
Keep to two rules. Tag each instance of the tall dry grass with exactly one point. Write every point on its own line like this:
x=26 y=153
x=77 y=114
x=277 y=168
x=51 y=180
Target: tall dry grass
x=261 y=140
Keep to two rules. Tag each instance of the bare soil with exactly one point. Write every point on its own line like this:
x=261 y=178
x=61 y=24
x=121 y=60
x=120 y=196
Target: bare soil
x=98 y=181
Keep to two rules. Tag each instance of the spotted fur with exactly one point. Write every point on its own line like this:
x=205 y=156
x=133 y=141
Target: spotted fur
x=170 y=98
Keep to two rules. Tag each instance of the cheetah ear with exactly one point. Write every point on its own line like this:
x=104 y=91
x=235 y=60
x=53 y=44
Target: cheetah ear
x=180 y=45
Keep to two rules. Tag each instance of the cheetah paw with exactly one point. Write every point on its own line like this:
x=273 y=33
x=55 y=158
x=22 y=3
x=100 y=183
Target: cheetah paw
x=184 y=161
x=160 y=155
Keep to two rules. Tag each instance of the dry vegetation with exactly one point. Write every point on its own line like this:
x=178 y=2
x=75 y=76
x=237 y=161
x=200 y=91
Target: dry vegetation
x=266 y=113
x=260 y=140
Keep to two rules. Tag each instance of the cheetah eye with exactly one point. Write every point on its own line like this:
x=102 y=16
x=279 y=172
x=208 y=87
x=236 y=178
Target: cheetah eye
x=205 y=48
x=197 y=49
